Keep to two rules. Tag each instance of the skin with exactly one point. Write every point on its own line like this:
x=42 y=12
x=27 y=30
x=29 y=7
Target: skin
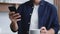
x=36 y=2
x=13 y=17
x=45 y=31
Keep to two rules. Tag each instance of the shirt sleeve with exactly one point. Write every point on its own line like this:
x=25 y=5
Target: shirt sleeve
x=19 y=10
x=55 y=23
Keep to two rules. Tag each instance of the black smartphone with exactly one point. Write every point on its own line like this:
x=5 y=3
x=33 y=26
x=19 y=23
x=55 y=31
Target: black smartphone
x=12 y=8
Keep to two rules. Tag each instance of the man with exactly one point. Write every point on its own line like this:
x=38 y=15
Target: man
x=35 y=14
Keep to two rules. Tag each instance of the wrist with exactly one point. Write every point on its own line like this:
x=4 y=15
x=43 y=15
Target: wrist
x=51 y=31
x=13 y=21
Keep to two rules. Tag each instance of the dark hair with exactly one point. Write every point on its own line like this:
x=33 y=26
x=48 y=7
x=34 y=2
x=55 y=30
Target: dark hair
x=31 y=0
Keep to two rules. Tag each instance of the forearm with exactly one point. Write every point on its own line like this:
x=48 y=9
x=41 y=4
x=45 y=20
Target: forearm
x=14 y=26
x=51 y=31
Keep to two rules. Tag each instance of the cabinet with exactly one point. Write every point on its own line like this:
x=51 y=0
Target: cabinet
x=4 y=4
x=57 y=3
x=13 y=1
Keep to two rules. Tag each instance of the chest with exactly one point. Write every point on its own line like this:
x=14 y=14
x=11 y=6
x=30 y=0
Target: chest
x=43 y=11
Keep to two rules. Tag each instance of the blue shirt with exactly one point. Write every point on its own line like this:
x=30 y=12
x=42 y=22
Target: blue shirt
x=47 y=16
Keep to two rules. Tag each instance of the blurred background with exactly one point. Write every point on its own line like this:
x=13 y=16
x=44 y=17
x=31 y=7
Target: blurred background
x=4 y=18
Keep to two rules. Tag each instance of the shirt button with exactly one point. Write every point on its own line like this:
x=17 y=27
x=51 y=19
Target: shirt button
x=28 y=22
x=30 y=13
x=32 y=7
x=28 y=32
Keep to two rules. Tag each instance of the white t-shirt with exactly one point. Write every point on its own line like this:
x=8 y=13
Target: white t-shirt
x=34 y=18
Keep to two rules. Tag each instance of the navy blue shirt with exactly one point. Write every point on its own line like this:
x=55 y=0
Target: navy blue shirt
x=47 y=16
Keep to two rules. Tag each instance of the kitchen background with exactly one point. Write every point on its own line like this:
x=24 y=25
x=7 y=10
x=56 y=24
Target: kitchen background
x=4 y=18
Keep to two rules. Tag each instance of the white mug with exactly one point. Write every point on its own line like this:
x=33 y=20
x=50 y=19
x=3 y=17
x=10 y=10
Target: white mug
x=34 y=31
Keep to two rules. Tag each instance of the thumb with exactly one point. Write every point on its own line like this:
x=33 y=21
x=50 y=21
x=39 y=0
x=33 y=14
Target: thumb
x=43 y=28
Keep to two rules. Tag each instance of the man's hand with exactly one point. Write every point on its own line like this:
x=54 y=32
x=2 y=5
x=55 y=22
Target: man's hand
x=45 y=31
x=14 y=17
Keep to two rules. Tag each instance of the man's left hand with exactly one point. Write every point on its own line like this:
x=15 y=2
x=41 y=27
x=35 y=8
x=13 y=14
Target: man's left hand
x=45 y=31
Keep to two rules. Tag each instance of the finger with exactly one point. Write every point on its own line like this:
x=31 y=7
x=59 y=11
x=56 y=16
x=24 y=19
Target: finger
x=17 y=17
x=17 y=14
x=43 y=31
x=43 y=28
x=10 y=13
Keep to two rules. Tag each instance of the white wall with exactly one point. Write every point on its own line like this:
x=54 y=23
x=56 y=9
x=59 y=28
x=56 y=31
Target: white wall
x=5 y=23
x=51 y=1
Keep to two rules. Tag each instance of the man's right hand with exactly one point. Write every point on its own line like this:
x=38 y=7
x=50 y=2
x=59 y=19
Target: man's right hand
x=14 y=16
x=43 y=30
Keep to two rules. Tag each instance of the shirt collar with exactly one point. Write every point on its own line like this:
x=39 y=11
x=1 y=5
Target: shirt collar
x=42 y=2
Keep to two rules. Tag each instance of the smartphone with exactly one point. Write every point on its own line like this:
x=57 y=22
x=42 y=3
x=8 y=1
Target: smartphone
x=12 y=8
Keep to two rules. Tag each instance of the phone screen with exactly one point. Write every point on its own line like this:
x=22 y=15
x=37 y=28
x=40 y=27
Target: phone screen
x=12 y=8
